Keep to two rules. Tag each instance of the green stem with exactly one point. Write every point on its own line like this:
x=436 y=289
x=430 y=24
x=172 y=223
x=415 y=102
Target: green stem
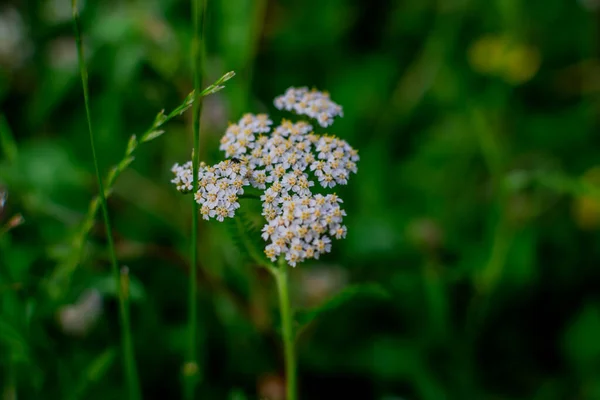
x=10 y=389
x=249 y=196
x=491 y=274
x=128 y=359
x=134 y=390
x=198 y=12
x=281 y=278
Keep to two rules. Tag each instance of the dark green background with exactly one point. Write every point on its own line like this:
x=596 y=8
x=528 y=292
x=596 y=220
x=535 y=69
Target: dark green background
x=473 y=218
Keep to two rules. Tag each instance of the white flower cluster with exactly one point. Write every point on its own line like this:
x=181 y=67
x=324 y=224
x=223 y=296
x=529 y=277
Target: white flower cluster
x=335 y=160
x=184 y=180
x=311 y=103
x=79 y=318
x=304 y=227
x=240 y=137
x=218 y=187
x=284 y=164
x=15 y=43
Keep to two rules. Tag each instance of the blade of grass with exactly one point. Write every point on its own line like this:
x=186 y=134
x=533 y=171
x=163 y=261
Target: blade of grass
x=10 y=387
x=191 y=377
x=133 y=387
x=94 y=373
x=8 y=145
x=487 y=279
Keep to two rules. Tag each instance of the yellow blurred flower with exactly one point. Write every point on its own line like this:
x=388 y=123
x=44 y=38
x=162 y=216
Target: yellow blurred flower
x=586 y=208
x=521 y=64
x=485 y=54
x=498 y=55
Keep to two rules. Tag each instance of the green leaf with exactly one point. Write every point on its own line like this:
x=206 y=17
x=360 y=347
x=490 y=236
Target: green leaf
x=8 y=145
x=245 y=233
x=107 y=287
x=9 y=335
x=568 y=185
x=14 y=341
x=160 y=119
x=94 y=372
x=237 y=394
x=581 y=344
x=181 y=109
x=112 y=175
x=370 y=290
x=100 y=365
x=131 y=145
x=152 y=135
x=125 y=163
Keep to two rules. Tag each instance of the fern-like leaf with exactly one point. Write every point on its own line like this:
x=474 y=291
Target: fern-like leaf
x=245 y=230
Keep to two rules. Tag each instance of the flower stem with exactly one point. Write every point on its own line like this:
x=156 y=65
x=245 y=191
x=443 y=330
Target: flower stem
x=281 y=278
x=249 y=196
x=10 y=387
x=190 y=378
x=128 y=358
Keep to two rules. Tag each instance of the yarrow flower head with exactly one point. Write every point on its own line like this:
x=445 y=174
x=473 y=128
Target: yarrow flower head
x=218 y=187
x=304 y=228
x=311 y=103
x=284 y=163
x=241 y=136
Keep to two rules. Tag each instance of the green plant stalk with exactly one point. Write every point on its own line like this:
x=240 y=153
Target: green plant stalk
x=198 y=12
x=281 y=278
x=134 y=390
x=493 y=155
x=128 y=359
x=491 y=274
x=8 y=146
x=10 y=388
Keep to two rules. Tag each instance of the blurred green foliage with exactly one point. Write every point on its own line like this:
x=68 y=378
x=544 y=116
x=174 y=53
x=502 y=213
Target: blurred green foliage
x=473 y=219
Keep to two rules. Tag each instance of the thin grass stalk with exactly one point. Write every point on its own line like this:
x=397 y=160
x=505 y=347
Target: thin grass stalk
x=61 y=275
x=10 y=388
x=128 y=359
x=287 y=329
x=190 y=380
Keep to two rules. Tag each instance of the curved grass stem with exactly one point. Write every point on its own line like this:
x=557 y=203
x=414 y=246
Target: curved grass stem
x=133 y=387
x=191 y=378
x=61 y=275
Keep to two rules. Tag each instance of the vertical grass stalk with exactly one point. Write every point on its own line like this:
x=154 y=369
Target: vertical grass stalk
x=281 y=278
x=191 y=370
x=10 y=387
x=128 y=359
